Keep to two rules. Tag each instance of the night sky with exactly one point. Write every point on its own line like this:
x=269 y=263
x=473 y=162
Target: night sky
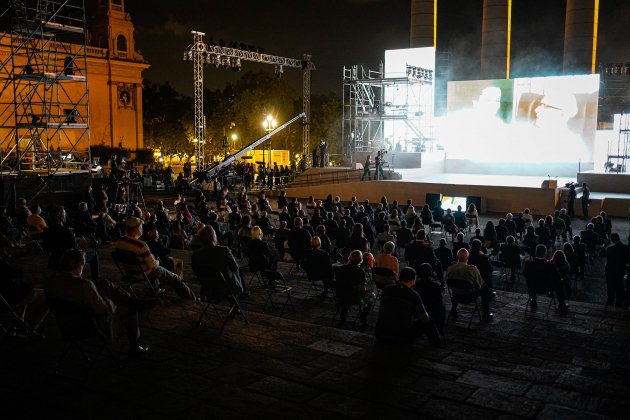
x=347 y=32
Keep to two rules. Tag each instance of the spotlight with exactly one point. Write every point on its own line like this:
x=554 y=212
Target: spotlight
x=303 y=122
x=279 y=70
x=225 y=62
x=235 y=63
x=216 y=60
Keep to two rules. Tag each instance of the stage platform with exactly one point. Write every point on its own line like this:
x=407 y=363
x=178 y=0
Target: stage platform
x=496 y=193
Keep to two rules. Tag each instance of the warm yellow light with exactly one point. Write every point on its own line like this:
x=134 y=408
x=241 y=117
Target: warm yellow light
x=595 y=25
x=234 y=137
x=509 y=40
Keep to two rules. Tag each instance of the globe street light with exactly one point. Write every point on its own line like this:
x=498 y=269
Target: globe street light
x=234 y=138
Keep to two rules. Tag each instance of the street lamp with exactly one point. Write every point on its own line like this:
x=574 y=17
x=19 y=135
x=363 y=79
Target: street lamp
x=234 y=138
x=268 y=124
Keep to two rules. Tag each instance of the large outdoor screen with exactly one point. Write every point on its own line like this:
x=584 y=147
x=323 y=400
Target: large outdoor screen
x=537 y=120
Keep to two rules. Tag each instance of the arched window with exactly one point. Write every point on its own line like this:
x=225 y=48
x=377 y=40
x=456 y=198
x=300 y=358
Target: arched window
x=121 y=43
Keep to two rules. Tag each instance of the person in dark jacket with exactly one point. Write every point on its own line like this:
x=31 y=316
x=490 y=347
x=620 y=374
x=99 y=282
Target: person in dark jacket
x=431 y=293
x=480 y=260
x=541 y=274
x=350 y=288
x=318 y=265
x=402 y=316
x=616 y=254
x=260 y=254
x=510 y=254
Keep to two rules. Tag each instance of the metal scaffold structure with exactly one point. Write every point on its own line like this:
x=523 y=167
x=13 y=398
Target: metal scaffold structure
x=619 y=149
x=202 y=54
x=390 y=113
x=614 y=92
x=44 y=113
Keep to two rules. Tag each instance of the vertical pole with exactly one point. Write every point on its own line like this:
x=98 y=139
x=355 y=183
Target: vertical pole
x=198 y=49
x=306 y=103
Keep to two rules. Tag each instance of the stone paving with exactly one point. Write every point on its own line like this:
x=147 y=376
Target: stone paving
x=518 y=366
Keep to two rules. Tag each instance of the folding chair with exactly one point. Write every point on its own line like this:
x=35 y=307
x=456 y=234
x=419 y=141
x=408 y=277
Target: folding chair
x=78 y=326
x=31 y=235
x=243 y=243
x=214 y=289
x=539 y=290
x=275 y=284
x=500 y=268
x=463 y=292
x=132 y=272
x=18 y=320
x=382 y=277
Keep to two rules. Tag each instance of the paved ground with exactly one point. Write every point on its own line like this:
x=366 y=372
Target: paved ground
x=519 y=366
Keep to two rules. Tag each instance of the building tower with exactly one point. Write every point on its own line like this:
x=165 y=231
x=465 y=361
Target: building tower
x=580 y=36
x=115 y=67
x=495 y=39
x=423 y=26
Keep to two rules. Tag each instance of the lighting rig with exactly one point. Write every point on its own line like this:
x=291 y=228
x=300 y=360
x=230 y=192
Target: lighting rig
x=419 y=73
x=201 y=54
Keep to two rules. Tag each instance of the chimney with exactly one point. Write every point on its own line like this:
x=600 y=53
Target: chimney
x=495 y=39
x=580 y=36
x=423 y=23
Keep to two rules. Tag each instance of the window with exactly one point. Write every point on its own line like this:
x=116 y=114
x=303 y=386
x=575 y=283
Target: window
x=121 y=43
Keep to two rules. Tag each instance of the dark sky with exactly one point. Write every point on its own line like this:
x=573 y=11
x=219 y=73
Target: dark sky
x=347 y=32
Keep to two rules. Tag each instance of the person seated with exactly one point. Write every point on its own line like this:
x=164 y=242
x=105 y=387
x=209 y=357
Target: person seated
x=530 y=240
x=350 y=288
x=553 y=233
x=426 y=215
x=480 y=260
x=448 y=222
x=107 y=227
x=438 y=212
x=431 y=293
x=158 y=250
x=510 y=254
x=318 y=265
x=385 y=236
x=331 y=226
x=540 y=275
x=386 y=259
x=59 y=238
x=460 y=218
x=223 y=236
x=245 y=231
x=402 y=316
x=410 y=214
x=489 y=235
x=559 y=225
x=420 y=251
x=580 y=253
x=157 y=274
x=379 y=224
x=35 y=220
x=214 y=258
x=393 y=220
x=70 y=286
x=404 y=236
x=326 y=242
x=527 y=218
x=477 y=235
x=463 y=271
x=83 y=223
x=472 y=216
x=261 y=255
x=519 y=221
x=299 y=240
x=458 y=244
x=590 y=238
x=444 y=255
x=510 y=225
x=179 y=237
x=543 y=234
x=21 y=212
x=502 y=232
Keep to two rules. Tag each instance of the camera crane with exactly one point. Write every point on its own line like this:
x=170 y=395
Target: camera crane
x=200 y=54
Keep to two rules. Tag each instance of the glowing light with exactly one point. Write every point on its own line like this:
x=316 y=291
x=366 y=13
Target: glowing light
x=509 y=39
x=595 y=25
x=234 y=137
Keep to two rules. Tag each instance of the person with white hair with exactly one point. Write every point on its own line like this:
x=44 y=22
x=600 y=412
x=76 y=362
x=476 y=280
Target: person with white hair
x=386 y=259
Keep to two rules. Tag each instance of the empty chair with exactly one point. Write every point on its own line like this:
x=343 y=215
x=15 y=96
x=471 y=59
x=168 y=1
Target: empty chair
x=275 y=285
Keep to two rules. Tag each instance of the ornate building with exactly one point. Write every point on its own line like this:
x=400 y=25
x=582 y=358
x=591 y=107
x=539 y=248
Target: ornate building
x=44 y=84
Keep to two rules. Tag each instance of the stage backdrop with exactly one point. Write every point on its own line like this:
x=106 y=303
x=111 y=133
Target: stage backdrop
x=547 y=122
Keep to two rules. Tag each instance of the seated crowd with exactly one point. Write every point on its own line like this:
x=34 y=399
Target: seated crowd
x=348 y=247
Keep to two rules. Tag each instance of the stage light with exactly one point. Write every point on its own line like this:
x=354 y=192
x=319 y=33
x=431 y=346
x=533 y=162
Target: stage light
x=225 y=62
x=217 y=60
x=235 y=63
x=279 y=71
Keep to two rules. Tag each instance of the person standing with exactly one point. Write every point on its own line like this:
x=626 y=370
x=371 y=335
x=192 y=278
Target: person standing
x=323 y=154
x=586 y=199
x=378 y=166
x=314 y=157
x=366 y=168
x=616 y=260
x=571 y=201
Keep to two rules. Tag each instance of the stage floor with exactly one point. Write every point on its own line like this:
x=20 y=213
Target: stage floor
x=415 y=175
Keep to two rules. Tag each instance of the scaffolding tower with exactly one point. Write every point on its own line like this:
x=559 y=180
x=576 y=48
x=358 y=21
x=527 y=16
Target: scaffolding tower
x=44 y=113
x=614 y=92
x=387 y=113
x=619 y=149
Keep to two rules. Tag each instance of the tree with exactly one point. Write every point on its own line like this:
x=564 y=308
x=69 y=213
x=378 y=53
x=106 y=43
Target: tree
x=168 y=120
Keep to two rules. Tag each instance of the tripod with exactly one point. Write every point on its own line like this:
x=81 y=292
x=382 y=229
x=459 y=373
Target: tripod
x=132 y=191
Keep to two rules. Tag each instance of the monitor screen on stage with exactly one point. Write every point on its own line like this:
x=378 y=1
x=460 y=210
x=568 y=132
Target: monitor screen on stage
x=449 y=202
x=525 y=120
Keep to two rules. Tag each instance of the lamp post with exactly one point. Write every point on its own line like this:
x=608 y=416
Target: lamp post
x=234 y=138
x=269 y=124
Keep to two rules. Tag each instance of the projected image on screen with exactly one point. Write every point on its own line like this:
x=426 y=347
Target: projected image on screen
x=453 y=202
x=529 y=120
